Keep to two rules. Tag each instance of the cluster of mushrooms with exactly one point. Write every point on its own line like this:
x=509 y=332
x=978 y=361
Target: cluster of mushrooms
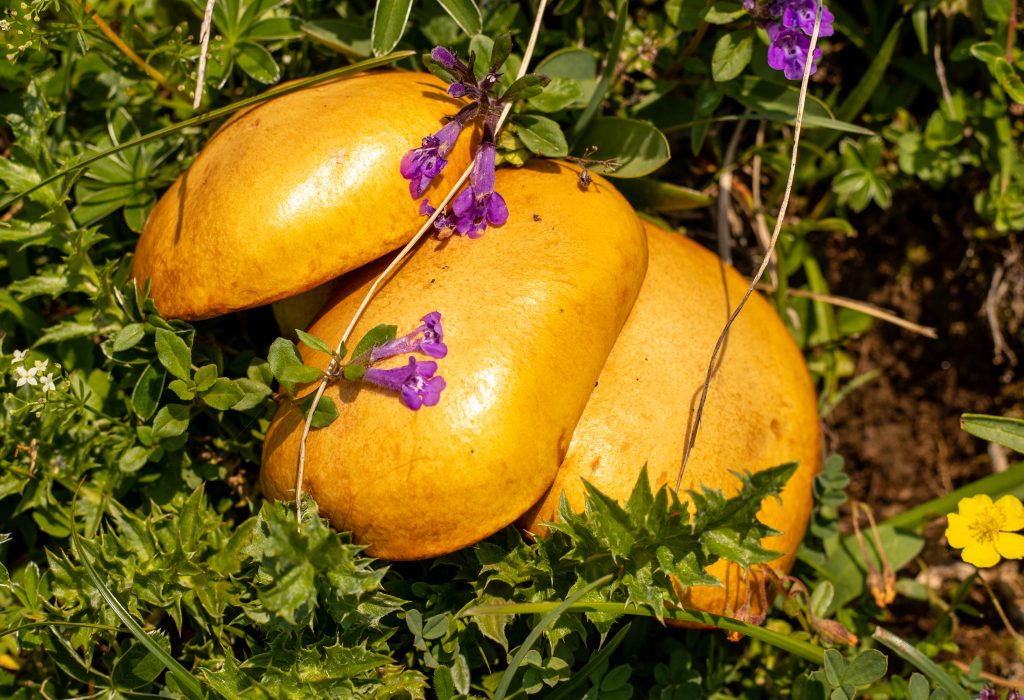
x=578 y=334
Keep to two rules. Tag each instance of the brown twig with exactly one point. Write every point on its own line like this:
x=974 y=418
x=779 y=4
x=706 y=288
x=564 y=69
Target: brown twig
x=940 y=73
x=117 y=41
x=861 y=306
x=990 y=677
x=999 y=608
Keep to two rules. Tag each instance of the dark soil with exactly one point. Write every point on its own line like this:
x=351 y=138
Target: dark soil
x=900 y=434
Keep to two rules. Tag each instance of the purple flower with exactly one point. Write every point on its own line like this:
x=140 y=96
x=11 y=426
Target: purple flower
x=423 y=164
x=799 y=14
x=415 y=381
x=479 y=205
x=988 y=694
x=456 y=89
x=443 y=56
x=442 y=222
x=788 y=51
x=428 y=339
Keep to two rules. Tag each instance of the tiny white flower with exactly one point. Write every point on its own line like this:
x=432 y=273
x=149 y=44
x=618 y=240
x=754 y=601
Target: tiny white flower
x=26 y=376
x=41 y=366
x=48 y=384
x=19 y=356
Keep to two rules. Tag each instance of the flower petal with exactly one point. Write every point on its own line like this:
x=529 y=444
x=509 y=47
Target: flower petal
x=958 y=533
x=981 y=555
x=1010 y=545
x=1013 y=513
x=974 y=506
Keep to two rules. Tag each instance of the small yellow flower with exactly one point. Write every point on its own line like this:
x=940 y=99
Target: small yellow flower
x=985 y=530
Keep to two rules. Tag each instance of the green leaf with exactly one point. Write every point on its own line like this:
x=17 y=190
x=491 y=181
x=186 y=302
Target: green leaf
x=732 y=55
x=558 y=94
x=190 y=687
x=314 y=343
x=648 y=193
x=257 y=62
x=347 y=38
x=354 y=373
x=465 y=13
x=137 y=667
x=576 y=66
x=224 y=394
x=133 y=459
x=171 y=421
x=389 y=20
x=868 y=667
x=1008 y=432
x=204 y=377
x=299 y=374
x=378 y=335
x=637 y=146
x=501 y=49
x=173 y=354
x=129 y=336
x=579 y=129
x=326 y=411
x=777 y=102
x=541 y=135
x=147 y=392
x=528 y=86
x=835 y=667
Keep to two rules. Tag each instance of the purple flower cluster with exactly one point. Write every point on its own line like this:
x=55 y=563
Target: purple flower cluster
x=478 y=205
x=993 y=694
x=789 y=24
x=417 y=382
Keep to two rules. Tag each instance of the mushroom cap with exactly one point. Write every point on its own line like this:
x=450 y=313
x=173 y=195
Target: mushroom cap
x=761 y=408
x=530 y=311
x=293 y=192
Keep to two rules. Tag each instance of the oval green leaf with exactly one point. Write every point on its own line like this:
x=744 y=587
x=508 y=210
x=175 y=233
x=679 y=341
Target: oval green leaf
x=541 y=135
x=465 y=13
x=638 y=147
x=389 y=20
x=257 y=62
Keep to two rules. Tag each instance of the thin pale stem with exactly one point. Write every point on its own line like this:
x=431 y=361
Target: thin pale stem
x=384 y=276
x=204 y=47
x=861 y=306
x=999 y=607
x=801 y=102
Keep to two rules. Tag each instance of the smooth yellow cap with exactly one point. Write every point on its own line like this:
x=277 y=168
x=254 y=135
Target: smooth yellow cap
x=761 y=409
x=530 y=312
x=294 y=192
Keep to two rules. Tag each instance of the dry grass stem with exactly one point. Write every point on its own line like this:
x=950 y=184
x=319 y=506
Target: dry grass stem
x=204 y=49
x=861 y=306
x=402 y=255
x=117 y=41
x=798 y=126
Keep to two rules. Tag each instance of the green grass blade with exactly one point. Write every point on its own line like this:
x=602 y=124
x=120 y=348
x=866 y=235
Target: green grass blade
x=56 y=623
x=552 y=614
x=210 y=116
x=797 y=647
x=995 y=485
x=909 y=652
x=188 y=683
x=606 y=75
x=565 y=691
